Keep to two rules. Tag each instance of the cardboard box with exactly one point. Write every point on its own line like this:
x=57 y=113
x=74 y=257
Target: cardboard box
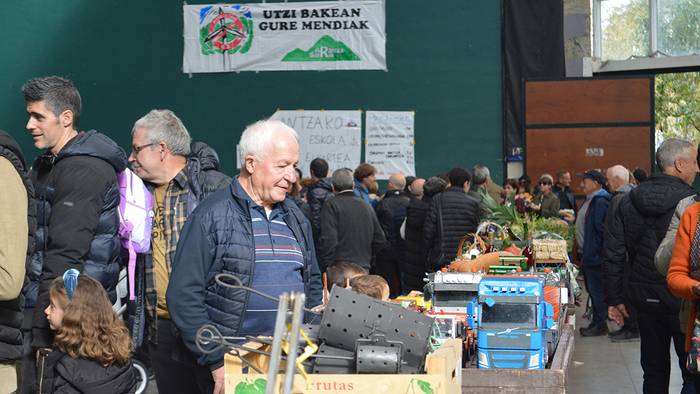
x=443 y=376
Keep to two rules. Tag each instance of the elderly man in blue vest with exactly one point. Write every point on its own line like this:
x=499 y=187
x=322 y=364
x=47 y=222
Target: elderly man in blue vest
x=250 y=229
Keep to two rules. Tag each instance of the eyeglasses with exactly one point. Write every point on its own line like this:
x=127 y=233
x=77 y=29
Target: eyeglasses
x=138 y=148
x=544 y=183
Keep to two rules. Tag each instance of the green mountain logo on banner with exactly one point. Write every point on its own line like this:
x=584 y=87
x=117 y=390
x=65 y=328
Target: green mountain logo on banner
x=324 y=50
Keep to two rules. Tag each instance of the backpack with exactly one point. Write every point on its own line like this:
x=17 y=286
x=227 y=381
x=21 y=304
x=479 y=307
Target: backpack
x=135 y=220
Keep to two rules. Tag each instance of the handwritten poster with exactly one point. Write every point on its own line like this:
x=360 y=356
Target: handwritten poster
x=331 y=135
x=390 y=142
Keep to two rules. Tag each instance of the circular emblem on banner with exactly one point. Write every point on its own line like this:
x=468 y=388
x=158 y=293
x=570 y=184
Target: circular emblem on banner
x=226 y=32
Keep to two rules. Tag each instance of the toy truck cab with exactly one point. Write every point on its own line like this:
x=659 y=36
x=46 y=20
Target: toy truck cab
x=513 y=321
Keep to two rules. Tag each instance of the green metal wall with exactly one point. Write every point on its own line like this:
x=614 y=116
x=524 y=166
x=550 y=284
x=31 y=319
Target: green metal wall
x=126 y=56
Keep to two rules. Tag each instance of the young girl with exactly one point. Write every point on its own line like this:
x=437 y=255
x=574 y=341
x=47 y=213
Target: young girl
x=91 y=348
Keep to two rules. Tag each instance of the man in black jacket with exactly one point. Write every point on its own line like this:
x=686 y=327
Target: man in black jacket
x=180 y=175
x=619 y=186
x=17 y=226
x=350 y=230
x=317 y=194
x=77 y=196
x=640 y=224
x=413 y=267
x=453 y=215
x=391 y=211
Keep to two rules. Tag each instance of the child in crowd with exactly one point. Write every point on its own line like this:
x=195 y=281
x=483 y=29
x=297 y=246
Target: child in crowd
x=372 y=285
x=340 y=273
x=91 y=350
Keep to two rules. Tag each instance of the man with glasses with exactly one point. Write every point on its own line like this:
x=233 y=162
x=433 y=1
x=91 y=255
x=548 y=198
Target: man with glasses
x=180 y=174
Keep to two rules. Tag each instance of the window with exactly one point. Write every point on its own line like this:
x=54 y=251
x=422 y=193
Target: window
x=625 y=29
x=519 y=315
x=678 y=27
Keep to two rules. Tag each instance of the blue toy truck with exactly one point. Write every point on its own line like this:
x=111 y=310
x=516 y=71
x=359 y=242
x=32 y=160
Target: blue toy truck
x=514 y=322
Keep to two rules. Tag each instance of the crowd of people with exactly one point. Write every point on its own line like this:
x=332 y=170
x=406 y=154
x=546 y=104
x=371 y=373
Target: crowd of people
x=277 y=232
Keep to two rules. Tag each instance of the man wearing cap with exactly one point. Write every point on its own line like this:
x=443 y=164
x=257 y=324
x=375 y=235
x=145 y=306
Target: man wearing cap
x=642 y=219
x=589 y=238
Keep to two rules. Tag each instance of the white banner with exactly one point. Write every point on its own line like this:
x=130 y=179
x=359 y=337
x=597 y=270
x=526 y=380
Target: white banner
x=331 y=135
x=327 y=35
x=390 y=141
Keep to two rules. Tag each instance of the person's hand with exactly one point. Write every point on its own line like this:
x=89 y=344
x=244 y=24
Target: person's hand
x=618 y=313
x=570 y=218
x=696 y=290
x=218 y=376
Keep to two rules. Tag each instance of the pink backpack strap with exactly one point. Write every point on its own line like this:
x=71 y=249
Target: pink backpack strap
x=131 y=272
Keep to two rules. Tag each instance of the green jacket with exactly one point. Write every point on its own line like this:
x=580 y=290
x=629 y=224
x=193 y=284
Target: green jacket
x=549 y=205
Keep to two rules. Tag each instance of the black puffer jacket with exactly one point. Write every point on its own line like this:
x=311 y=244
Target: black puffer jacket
x=461 y=215
x=203 y=173
x=11 y=310
x=413 y=266
x=77 y=220
x=641 y=221
x=316 y=195
x=62 y=374
x=390 y=204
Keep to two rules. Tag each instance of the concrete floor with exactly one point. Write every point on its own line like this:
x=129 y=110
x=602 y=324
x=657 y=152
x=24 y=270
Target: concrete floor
x=602 y=367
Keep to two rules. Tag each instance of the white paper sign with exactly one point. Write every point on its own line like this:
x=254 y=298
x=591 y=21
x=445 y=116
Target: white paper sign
x=324 y=35
x=331 y=135
x=390 y=142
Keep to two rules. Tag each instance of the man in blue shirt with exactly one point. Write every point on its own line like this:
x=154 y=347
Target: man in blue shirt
x=250 y=230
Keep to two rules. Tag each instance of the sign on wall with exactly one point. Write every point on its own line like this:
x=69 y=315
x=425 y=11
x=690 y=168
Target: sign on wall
x=390 y=142
x=329 y=35
x=331 y=135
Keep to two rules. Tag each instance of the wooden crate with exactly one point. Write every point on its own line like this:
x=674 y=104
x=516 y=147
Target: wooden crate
x=443 y=376
x=541 y=381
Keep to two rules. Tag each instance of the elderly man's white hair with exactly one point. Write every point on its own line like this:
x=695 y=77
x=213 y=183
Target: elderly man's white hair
x=257 y=137
x=618 y=171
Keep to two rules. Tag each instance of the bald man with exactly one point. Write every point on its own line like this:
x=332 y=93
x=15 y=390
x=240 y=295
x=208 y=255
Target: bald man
x=391 y=211
x=416 y=188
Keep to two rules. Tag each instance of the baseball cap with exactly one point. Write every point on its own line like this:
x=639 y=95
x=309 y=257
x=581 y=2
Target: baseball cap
x=593 y=175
